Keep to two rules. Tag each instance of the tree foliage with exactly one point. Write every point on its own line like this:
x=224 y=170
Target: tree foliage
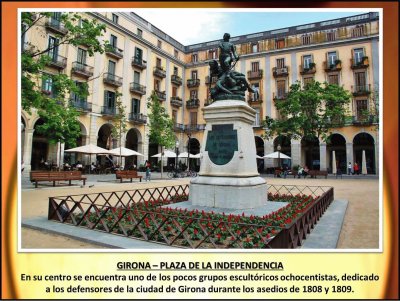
x=310 y=111
x=161 y=125
x=60 y=119
x=119 y=121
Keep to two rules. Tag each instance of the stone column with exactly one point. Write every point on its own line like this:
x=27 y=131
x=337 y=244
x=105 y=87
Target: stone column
x=92 y=131
x=296 y=152
x=322 y=157
x=268 y=148
x=27 y=155
x=349 y=154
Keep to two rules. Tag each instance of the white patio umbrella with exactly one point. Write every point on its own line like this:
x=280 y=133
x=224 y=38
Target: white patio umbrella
x=124 y=152
x=259 y=157
x=89 y=149
x=185 y=155
x=334 y=171
x=277 y=155
x=364 y=164
x=167 y=154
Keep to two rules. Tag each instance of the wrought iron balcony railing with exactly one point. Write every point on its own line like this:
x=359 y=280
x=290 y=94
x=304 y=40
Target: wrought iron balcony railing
x=179 y=127
x=192 y=83
x=137 y=88
x=139 y=63
x=115 y=52
x=58 y=61
x=176 y=101
x=108 y=110
x=175 y=79
x=336 y=66
x=159 y=72
x=161 y=95
x=112 y=79
x=361 y=63
x=255 y=74
x=213 y=80
x=280 y=72
x=56 y=26
x=361 y=90
x=82 y=69
x=279 y=96
x=138 y=118
x=192 y=103
x=308 y=69
x=80 y=104
x=195 y=127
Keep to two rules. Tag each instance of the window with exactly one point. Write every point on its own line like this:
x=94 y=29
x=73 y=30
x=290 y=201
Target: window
x=175 y=70
x=159 y=43
x=254 y=47
x=193 y=94
x=307 y=60
x=280 y=63
x=82 y=88
x=53 y=48
x=332 y=58
x=360 y=80
x=156 y=85
x=109 y=99
x=113 y=41
x=174 y=91
x=194 y=58
x=257 y=119
x=193 y=118
x=139 y=32
x=114 y=18
x=256 y=94
x=82 y=54
x=361 y=108
x=138 y=55
x=135 y=106
x=174 y=115
x=281 y=88
x=47 y=84
x=333 y=79
x=279 y=43
x=111 y=67
x=308 y=80
x=176 y=53
x=306 y=39
x=331 y=36
x=158 y=62
x=212 y=54
x=358 y=55
x=255 y=66
x=194 y=74
x=136 y=77
x=358 y=31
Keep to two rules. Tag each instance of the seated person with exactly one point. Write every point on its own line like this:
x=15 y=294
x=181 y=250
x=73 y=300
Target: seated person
x=93 y=168
x=79 y=166
x=306 y=170
x=300 y=172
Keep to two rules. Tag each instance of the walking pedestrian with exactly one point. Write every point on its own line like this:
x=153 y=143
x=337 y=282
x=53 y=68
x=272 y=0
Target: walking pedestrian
x=349 y=168
x=356 y=168
x=148 y=171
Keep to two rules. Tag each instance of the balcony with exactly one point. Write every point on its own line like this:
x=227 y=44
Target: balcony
x=110 y=111
x=192 y=83
x=175 y=79
x=137 y=88
x=139 y=63
x=360 y=63
x=176 y=101
x=255 y=74
x=179 y=127
x=80 y=104
x=337 y=66
x=310 y=69
x=280 y=72
x=364 y=120
x=161 y=95
x=58 y=62
x=254 y=101
x=159 y=72
x=361 y=90
x=114 y=52
x=195 y=127
x=82 y=69
x=56 y=26
x=138 y=118
x=112 y=79
x=28 y=48
x=193 y=103
x=213 y=80
x=279 y=96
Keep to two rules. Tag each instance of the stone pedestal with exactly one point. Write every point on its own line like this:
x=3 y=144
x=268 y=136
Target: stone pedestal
x=228 y=176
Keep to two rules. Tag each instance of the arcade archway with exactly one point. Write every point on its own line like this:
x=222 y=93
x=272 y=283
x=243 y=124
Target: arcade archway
x=337 y=143
x=310 y=153
x=365 y=141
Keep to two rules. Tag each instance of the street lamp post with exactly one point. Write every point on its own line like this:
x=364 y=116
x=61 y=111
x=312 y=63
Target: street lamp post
x=177 y=153
x=279 y=155
x=189 y=134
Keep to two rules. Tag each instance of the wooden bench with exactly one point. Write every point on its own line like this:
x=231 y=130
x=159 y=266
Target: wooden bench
x=53 y=176
x=315 y=173
x=127 y=174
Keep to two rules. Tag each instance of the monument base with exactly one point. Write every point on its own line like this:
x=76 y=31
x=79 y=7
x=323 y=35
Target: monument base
x=228 y=192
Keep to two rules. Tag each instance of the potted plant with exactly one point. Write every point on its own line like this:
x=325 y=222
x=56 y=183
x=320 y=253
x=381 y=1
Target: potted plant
x=312 y=65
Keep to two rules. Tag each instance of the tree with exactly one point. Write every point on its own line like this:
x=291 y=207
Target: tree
x=119 y=122
x=46 y=94
x=309 y=112
x=161 y=125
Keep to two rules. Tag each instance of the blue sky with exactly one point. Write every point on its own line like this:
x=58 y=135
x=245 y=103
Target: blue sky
x=191 y=26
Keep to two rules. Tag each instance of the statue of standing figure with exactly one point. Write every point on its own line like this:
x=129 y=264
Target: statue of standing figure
x=230 y=84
